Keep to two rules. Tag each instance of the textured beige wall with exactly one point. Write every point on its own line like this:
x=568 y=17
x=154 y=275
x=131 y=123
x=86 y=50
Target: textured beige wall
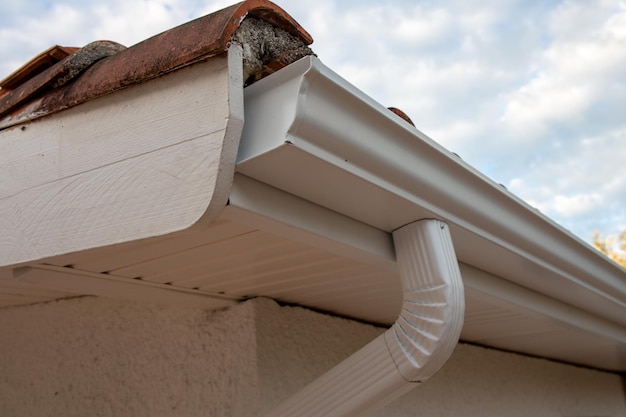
x=295 y=345
x=99 y=357
x=484 y=382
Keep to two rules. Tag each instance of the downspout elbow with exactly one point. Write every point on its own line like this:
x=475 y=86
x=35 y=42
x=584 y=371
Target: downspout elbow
x=413 y=349
x=430 y=322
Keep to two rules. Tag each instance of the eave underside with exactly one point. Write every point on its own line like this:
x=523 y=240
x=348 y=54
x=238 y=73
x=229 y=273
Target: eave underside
x=246 y=254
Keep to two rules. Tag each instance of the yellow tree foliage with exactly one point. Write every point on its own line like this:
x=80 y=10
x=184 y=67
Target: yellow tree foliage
x=614 y=248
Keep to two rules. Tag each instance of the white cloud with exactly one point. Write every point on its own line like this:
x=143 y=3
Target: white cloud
x=543 y=100
x=536 y=196
x=576 y=205
x=586 y=56
x=531 y=93
x=28 y=31
x=580 y=184
x=114 y=20
x=419 y=25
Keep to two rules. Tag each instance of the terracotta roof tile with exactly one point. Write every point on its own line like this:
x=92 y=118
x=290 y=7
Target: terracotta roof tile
x=35 y=92
x=38 y=64
x=39 y=76
x=402 y=114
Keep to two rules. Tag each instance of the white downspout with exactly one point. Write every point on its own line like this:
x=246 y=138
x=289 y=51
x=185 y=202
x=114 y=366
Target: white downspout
x=413 y=349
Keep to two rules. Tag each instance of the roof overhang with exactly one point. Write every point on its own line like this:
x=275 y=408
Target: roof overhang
x=174 y=198
x=100 y=174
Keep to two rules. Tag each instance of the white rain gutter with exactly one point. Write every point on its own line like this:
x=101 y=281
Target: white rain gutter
x=413 y=349
x=312 y=134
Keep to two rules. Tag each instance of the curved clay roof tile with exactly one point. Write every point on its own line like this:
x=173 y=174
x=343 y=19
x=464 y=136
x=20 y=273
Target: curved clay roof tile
x=186 y=44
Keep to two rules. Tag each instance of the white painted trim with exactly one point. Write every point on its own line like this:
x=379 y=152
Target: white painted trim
x=413 y=349
x=152 y=159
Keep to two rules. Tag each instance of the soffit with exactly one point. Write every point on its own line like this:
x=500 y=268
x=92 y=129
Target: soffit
x=242 y=257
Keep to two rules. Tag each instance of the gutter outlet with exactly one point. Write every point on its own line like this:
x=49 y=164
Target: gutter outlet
x=413 y=349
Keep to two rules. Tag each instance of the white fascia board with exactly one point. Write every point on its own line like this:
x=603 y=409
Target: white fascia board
x=311 y=133
x=149 y=160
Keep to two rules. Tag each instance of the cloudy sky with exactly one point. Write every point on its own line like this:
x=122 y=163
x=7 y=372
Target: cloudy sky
x=531 y=93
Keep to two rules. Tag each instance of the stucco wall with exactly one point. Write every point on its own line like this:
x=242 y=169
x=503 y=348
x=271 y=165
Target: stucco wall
x=295 y=345
x=100 y=357
x=484 y=382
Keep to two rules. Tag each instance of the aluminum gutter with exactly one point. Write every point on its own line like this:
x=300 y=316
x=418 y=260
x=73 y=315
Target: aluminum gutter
x=413 y=349
x=260 y=205
x=311 y=133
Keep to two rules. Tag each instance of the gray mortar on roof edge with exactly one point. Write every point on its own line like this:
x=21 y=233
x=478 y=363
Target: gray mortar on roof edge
x=86 y=57
x=264 y=44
